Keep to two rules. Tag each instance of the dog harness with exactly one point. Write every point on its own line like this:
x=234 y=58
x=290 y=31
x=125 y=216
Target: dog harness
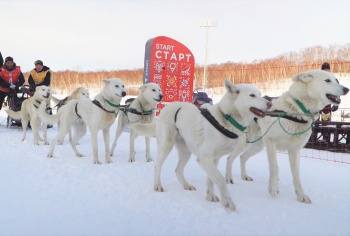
x=216 y=124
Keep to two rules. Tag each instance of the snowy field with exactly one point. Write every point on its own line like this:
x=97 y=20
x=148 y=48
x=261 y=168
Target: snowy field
x=67 y=195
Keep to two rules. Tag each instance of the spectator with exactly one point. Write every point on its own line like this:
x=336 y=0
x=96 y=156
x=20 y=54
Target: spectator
x=11 y=77
x=40 y=75
x=326 y=112
x=1 y=60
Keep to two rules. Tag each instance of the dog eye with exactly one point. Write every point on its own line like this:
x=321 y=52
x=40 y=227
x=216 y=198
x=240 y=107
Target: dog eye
x=328 y=80
x=153 y=90
x=252 y=95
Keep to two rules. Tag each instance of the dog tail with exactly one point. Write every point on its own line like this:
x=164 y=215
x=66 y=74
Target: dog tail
x=45 y=117
x=14 y=114
x=55 y=100
x=148 y=130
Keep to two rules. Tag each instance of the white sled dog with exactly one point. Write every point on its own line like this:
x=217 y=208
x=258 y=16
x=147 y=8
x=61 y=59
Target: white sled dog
x=208 y=134
x=288 y=127
x=29 y=112
x=142 y=110
x=77 y=93
x=98 y=114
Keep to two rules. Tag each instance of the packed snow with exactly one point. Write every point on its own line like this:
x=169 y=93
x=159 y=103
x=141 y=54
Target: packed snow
x=67 y=195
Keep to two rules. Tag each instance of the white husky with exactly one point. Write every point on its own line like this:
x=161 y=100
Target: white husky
x=98 y=114
x=29 y=112
x=141 y=110
x=77 y=93
x=289 y=127
x=209 y=134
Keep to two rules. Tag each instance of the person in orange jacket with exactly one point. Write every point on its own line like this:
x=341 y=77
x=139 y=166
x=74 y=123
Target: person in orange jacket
x=11 y=78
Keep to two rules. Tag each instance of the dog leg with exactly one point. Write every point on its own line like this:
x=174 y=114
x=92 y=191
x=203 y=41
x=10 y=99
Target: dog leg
x=209 y=166
x=24 y=128
x=61 y=133
x=148 y=149
x=133 y=136
x=106 y=139
x=122 y=122
x=163 y=149
x=45 y=134
x=294 y=160
x=251 y=151
x=79 y=132
x=240 y=147
x=273 y=167
x=94 y=133
x=35 y=124
x=184 y=156
x=210 y=188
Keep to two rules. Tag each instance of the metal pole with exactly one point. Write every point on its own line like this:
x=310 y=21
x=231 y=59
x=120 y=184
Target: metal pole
x=205 y=61
x=207 y=24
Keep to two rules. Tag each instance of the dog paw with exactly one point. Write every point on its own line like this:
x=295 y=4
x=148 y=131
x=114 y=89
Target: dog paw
x=149 y=159
x=247 y=178
x=274 y=191
x=303 y=198
x=97 y=162
x=108 y=161
x=158 y=188
x=228 y=203
x=81 y=155
x=229 y=181
x=212 y=198
x=132 y=160
x=189 y=187
x=50 y=155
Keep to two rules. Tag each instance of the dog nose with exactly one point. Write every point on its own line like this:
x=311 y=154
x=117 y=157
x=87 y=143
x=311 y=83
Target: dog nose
x=161 y=96
x=346 y=90
x=269 y=105
x=123 y=94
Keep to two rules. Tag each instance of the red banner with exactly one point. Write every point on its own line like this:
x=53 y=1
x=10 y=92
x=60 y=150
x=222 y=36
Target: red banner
x=170 y=64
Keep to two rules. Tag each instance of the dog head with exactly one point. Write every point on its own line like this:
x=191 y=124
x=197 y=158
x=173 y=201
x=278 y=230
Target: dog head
x=80 y=92
x=114 y=89
x=42 y=93
x=151 y=93
x=244 y=99
x=319 y=86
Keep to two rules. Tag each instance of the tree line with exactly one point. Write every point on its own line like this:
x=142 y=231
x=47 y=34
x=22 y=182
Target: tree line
x=259 y=71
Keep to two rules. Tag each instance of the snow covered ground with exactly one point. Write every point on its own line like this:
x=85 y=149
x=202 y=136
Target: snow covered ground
x=67 y=195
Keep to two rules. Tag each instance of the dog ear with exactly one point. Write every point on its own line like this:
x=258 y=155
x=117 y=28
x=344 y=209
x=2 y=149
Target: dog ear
x=107 y=81
x=143 y=87
x=230 y=87
x=303 y=77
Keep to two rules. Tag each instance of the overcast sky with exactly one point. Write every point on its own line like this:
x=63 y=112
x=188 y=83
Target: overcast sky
x=90 y=35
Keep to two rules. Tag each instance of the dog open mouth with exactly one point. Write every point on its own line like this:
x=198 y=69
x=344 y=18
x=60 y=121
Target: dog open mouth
x=257 y=112
x=47 y=96
x=158 y=100
x=333 y=98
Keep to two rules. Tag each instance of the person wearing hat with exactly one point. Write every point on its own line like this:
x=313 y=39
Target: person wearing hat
x=326 y=112
x=40 y=75
x=11 y=78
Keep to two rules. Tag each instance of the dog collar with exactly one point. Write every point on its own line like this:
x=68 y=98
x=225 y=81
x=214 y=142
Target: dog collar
x=112 y=104
x=302 y=107
x=97 y=103
x=234 y=123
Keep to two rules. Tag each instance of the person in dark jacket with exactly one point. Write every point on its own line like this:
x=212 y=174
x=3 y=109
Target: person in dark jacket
x=40 y=75
x=1 y=60
x=326 y=112
x=11 y=78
